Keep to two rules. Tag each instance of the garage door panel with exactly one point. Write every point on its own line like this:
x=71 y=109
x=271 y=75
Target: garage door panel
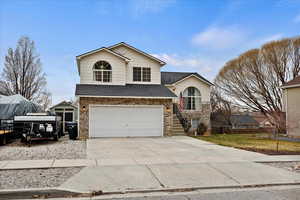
x=125 y=121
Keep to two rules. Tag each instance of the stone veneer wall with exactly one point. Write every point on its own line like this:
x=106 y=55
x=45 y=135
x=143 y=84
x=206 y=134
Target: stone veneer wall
x=203 y=115
x=86 y=101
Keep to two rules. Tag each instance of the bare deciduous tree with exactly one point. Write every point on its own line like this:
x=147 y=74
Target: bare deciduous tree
x=22 y=74
x=254 y=78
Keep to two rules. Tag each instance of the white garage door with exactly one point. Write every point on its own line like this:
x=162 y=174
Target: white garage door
x=125 y=121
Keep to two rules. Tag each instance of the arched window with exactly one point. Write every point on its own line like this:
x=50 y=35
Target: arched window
x=191 y=99
x=102 y=71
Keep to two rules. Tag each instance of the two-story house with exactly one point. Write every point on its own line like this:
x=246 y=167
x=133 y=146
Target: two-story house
x=123 y=93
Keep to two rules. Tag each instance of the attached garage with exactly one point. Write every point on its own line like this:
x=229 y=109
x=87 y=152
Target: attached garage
x=139 y=110
x=125 y=120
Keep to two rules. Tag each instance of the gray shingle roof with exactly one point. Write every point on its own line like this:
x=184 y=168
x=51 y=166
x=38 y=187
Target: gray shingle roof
x=63 y=103
x=134 y=90
x=243 y=119
x=173 y=77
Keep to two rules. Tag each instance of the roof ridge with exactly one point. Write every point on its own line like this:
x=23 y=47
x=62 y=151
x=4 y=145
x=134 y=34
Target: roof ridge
x=180 y=72
x=138 y=50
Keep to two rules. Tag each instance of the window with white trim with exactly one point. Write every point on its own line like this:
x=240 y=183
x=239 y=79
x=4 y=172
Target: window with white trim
x=142 y=74
x=102 y=71
x=191 y=99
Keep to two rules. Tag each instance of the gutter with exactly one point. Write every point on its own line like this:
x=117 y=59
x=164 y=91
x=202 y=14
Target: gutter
x=290 y=86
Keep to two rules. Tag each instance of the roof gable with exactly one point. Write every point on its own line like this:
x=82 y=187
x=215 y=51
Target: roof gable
x=99 y=50
x=137 y=50
x=169 y=78
x=63 y=103
x=102 y=49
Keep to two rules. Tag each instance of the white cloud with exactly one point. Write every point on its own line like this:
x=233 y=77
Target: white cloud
x=219 y=38
x=208 y=63
x=201 y=64
x=297 y=19
x=269 y=38
x=177 y=61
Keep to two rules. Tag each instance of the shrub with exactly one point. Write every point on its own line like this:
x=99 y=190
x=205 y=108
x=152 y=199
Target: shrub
x=201 y=129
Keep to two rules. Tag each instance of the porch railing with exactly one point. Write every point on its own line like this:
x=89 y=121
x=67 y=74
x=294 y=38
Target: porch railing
x=184 y=122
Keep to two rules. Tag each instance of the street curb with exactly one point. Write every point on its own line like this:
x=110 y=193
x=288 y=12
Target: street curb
x=281 y=161
x=189 y=189
x=34 y=193
x=57 y=192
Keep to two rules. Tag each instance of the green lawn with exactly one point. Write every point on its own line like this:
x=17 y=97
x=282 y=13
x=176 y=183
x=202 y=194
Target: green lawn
x=253 y=142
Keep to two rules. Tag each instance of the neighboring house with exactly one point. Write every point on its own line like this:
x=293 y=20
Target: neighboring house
x=291 y=99
x=243 y=121
x=123 y=93
x=220 y=123
x=67 y=111
x=264 y=122
x=225 y=124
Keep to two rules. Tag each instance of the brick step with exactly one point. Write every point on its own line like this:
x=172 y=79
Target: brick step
x=175 y=119
x=177 y=126
x=176 y=122
x=177 y=131
x=178 y=134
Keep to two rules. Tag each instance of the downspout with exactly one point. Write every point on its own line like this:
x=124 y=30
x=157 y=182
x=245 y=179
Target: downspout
x=78 y=117
x=286 y=111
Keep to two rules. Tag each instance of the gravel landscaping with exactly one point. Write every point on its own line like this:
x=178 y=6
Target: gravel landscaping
x=35 y=178
x=41 y=150
x=290 y=166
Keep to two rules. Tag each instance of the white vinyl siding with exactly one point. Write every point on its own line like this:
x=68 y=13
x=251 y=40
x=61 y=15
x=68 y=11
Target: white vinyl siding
x=139 y=60
x=113 y=121
x=118 y=68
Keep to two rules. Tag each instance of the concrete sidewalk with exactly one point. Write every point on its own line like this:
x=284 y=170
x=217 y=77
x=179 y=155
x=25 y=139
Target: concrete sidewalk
x=43 y=164
x=172 y=177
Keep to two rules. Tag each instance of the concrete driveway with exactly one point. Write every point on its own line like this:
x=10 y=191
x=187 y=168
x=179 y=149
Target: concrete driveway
x=145 y=164
x=180 y=149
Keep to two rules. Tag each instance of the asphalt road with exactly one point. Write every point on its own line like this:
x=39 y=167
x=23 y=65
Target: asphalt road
x=269 y=193
x=264 y=194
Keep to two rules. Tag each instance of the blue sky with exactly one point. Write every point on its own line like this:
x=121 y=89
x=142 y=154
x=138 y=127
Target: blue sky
x=190 y=35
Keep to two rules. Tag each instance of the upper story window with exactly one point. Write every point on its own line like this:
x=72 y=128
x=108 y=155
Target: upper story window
x=142 y=74
x=191 y=99
x=102 y=71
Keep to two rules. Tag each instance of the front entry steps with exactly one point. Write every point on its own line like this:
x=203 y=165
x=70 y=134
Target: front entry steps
x=177 y=128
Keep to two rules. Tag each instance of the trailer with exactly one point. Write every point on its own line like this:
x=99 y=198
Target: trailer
x=38 y=126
